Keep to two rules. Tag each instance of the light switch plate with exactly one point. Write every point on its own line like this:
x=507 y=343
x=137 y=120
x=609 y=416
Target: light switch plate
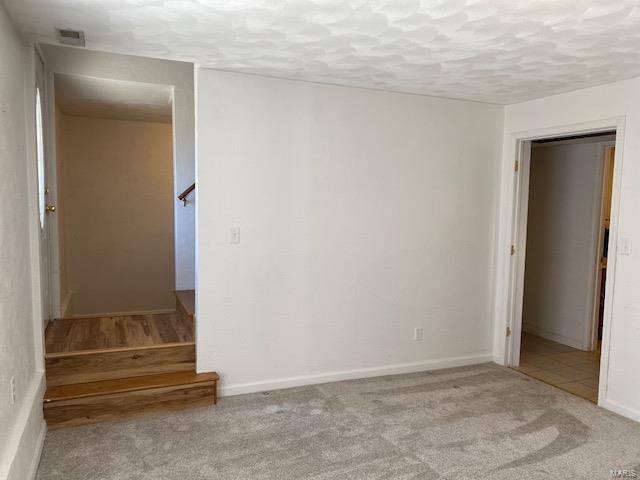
x=234 y=235
x=625 y=246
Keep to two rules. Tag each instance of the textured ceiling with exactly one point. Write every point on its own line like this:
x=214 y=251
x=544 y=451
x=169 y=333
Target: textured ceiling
x=102 y=98
x=501 y=51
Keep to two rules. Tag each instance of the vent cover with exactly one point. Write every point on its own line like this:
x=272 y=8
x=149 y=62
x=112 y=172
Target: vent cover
x=67 y=36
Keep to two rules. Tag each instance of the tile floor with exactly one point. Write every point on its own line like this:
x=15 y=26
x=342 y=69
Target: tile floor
x=572 y=370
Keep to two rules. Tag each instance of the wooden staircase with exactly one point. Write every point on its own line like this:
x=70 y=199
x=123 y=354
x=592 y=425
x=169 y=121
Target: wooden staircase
x=108 y=368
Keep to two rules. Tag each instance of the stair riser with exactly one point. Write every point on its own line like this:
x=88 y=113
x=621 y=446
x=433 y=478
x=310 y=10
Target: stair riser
x=104 y=408
x=109 y=365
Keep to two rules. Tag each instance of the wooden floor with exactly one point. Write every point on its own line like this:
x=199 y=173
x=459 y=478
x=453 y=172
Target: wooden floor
x=82 y=334
x=567 y=368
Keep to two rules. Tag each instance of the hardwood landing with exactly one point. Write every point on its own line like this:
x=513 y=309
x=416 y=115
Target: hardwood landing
x=99 y=333
x=105 y=368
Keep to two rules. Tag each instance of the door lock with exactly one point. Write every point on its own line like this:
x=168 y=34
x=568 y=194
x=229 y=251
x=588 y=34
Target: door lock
x=50 y=208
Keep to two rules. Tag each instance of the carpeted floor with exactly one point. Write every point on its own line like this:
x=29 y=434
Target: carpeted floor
x=474 y=422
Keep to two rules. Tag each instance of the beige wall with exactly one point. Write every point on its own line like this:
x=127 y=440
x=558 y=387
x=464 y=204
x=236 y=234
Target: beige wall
x=118 y=214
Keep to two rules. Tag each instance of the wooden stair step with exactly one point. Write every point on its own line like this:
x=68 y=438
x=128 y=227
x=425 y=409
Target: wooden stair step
x=186 y=303
x=92 y=402
x=120 y=331
x=67 y=368
x=121 y=385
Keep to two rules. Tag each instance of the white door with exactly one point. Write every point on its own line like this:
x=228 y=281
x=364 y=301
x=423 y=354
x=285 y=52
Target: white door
x=45 y=210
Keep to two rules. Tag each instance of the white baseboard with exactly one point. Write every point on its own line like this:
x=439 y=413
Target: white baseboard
x=36 y=452
x=124 y=314
x=25 y=441
x=299 y=381
x=554 y=337
x=615 y=407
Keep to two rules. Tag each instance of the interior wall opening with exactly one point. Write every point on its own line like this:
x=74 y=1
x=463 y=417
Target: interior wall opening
x=115 y=213
x=115 y=194
x=567 y=210
x=120 y=135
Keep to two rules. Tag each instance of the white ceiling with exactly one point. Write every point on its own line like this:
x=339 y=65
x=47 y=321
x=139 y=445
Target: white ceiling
x=501 y=51
x=104 y=98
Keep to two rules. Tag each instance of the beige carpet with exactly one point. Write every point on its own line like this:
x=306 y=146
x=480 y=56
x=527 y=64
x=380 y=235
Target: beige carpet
x=465 y=423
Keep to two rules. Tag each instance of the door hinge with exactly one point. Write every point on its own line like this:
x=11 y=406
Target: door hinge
x=513 y=249
x=516 y=166
x=508 y=331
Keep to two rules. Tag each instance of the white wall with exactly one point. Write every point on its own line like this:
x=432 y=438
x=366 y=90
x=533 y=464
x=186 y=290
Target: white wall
x=21 y=424
x=73 y=61
x=565 y=191
x=363 y=214
x=603 y=105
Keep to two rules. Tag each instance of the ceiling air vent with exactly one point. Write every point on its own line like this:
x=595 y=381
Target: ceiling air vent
x=66 y=36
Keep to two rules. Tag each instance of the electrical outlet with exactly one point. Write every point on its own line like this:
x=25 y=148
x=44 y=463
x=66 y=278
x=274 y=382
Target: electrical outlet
x=13 y=390
x=418 y=334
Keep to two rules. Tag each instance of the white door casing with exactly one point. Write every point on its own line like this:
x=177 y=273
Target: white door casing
x=45 y=209
x=515 y=232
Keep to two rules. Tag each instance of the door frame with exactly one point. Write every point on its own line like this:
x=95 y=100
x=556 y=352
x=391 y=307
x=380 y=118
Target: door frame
x=592 y=332
x=518 y=226
x=47 y=234
x=57 y=308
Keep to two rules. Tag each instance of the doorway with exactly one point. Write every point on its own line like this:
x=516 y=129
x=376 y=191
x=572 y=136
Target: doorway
x=120 y=135
x=114 y=153
x=564 y=218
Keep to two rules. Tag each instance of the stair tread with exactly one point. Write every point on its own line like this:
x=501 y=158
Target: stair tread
x=187 y=299
x=78 y=335
x=106 y=387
